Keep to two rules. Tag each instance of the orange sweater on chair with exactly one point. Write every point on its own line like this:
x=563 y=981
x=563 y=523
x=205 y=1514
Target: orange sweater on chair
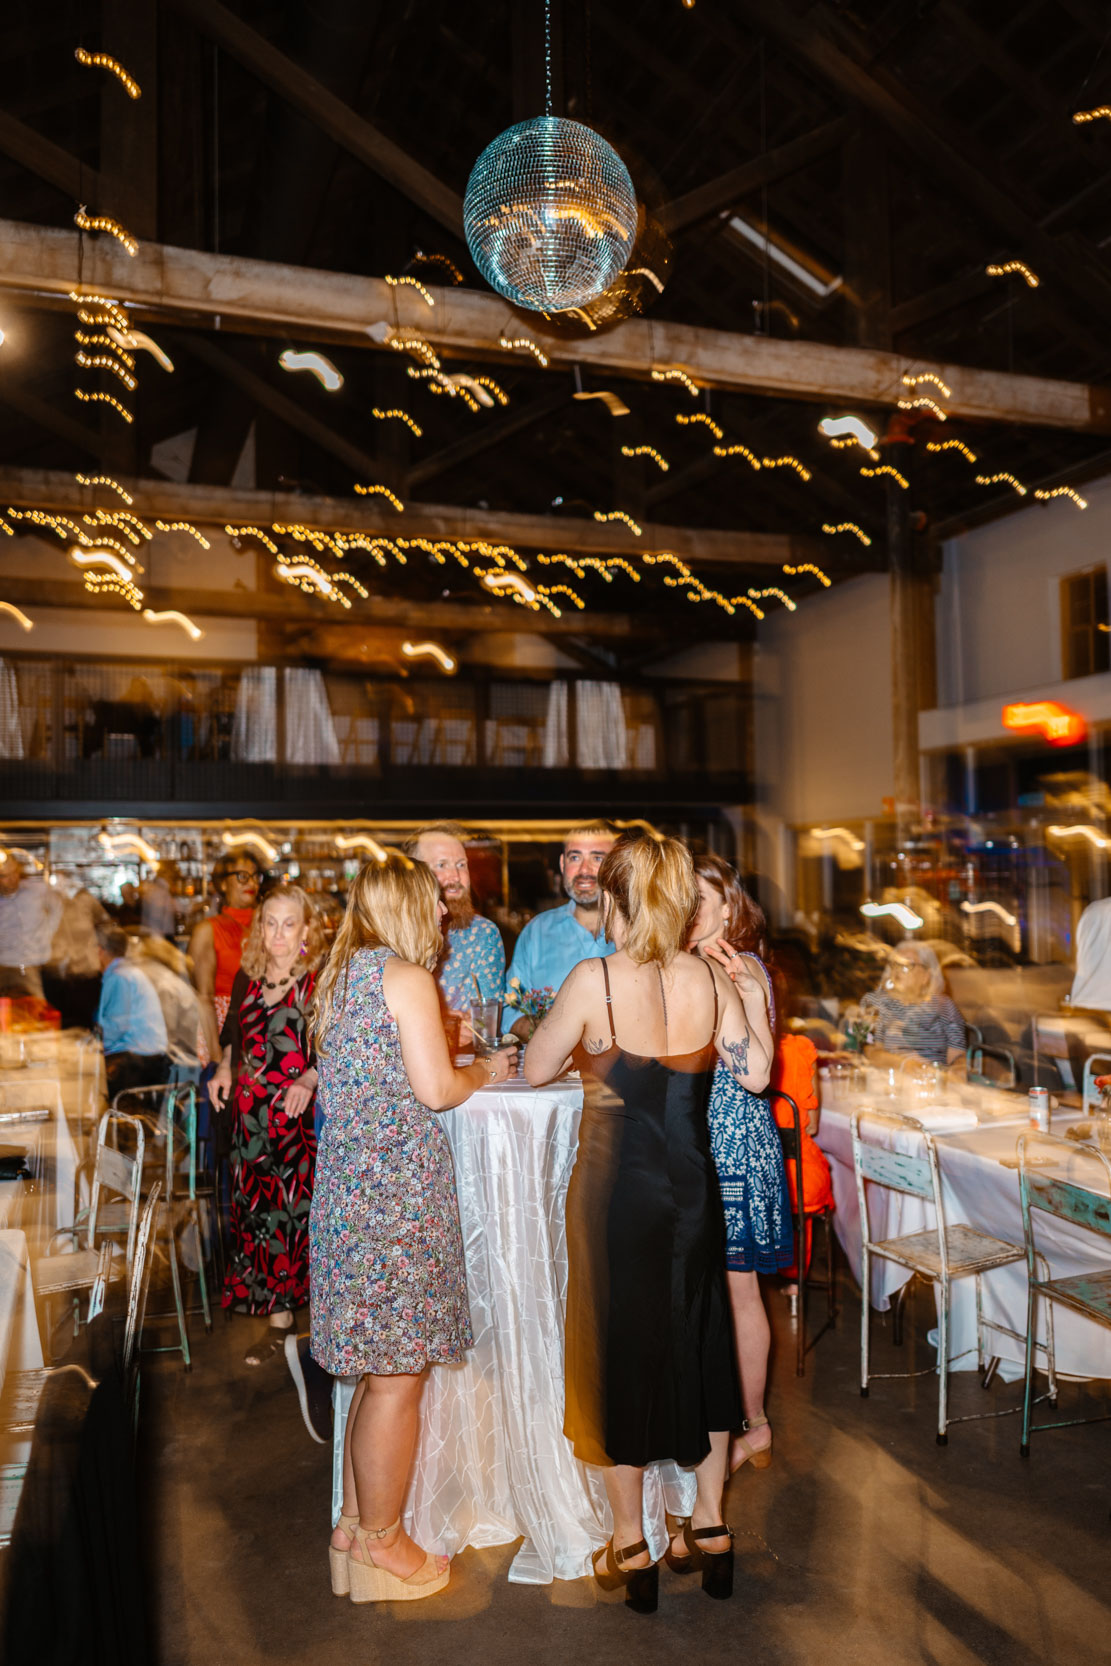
x=794 y=1072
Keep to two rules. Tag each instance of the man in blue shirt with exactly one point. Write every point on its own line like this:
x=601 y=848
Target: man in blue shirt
x=552 y=943
x=474 y=965
x=129 y=1018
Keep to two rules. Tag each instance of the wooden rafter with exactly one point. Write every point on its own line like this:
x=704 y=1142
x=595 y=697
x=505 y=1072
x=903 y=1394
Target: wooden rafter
x=728 y=188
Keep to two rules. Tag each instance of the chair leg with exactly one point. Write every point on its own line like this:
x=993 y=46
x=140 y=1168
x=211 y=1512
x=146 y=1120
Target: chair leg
x=831 y=1292
x=897 y=1307
x=175 y=1275
x=800 y=1333
x=1050 y=1344
x=943 y=1368
x=195 y=1217
x=865 y=1315
x=1028 y=1377
x=979 y=1324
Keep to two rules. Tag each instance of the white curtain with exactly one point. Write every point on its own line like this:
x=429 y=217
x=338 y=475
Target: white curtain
x=254 y=735
x=555 y=728
x=310 y=734
x=11 y=735
x=601 y=741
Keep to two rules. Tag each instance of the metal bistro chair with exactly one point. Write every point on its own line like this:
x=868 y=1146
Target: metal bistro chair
x=1087 y=1293
x=94 y=1229
x=791 y=1141
x=939 y=1255
x=172 y=1124
x=978 y=1050
x=1090 y=1093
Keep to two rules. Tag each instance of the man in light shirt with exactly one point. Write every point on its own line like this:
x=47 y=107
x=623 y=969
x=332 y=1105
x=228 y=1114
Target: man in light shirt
x=474 y=965
x=552 y=943
x=129 y=1017
x=1091 y=985
x=29 y=914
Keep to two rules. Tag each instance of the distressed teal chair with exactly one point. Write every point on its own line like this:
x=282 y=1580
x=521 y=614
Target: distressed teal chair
x=939 y=1254
x=1087 y=1293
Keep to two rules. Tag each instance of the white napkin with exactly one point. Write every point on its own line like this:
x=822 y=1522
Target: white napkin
x=945 y=1119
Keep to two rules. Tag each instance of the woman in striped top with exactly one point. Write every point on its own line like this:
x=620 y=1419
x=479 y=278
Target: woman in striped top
x=910 y=1015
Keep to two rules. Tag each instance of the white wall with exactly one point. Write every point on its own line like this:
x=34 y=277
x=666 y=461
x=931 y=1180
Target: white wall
x=998 y=607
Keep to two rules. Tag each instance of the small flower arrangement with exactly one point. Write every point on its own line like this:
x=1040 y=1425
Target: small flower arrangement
x=1103 y=1083
x=530 y=1003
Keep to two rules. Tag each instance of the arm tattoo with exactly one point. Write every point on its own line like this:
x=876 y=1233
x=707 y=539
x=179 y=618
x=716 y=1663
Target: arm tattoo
x=738 y=1056
x=597 y=1046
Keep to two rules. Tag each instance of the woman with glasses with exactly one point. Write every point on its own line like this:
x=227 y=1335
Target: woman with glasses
x=910 y=1017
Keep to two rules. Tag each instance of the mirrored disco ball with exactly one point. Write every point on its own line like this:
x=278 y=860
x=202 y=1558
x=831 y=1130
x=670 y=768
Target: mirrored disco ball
x=550 y=214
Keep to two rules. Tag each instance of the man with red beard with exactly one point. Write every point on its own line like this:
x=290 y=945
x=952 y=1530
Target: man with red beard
x=474 y=966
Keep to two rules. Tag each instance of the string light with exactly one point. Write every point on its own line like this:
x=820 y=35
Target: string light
x=512 y=343
x=117 y=844
x=912 y=379
x=785 y=463
x=577 y=312
x=773 y=590
x=253 y=532
x=108 y=310
x=101 y=60
x=491 y=386
x=697 y=591
x=428 y=650
x=101 y=361
x=700 y=416
x=103 y=399
x=679 y=376
x=309 y=576
x=383 y=491
x=843 y=833
x=236 y=841
x=398 y=416
x=104 y=222
x=107 y=584
x=439 y=260
x=1009 y=266
x=646 y=451
x=1102 y=111
x=469 y=390
x=7 y=529
x=646 y=271
x=1061 y=491
x=102 y=558
x=951 y=445
x=184 y=526
x=133 y=529
x=18 y=615
x=923 y=402
x=138 y=341
x=173 y=617
x=809 y=567
x=853 y=426
x=1081 y=831
x=737 y=450
x=599 y=564
x=618 y=515
x=907 y=918
x=414 y=283
x=848 y=526
x=993 y=907
x=885 y=468
x=99 y=340
x=316 y=364
x=615 y=406
x=361 y=841
x=104 y=480
x=1006 y=479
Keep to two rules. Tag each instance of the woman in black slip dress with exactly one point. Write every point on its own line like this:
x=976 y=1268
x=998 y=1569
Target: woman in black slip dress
x=650 y=1370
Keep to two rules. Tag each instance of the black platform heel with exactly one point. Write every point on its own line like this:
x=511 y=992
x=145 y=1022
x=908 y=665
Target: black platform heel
x=642 y=1585
x=716 y=1565
x=678 y=1564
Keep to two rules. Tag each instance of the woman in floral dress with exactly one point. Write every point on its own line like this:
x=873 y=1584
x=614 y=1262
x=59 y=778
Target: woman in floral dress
x=389 y=1294
x=267 y=1055
x=730 y=928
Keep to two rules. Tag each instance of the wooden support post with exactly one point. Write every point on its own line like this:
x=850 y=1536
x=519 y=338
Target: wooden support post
x=128 y=188
x=913 y=650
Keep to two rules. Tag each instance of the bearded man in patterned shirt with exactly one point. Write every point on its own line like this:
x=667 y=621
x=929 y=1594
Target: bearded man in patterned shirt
x=473 y=967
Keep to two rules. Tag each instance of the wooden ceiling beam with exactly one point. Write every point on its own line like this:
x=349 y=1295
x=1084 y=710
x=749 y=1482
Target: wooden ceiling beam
x=47 y=160
x=359 y=137
x=719 y=194
x=260 y=296
x=494 y=431
x=221 y=505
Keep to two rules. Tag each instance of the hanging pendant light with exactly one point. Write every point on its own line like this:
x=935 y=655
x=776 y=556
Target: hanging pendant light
x=550 y=213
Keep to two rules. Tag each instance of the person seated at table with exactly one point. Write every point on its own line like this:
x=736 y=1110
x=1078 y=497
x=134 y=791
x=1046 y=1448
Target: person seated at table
x=389 y=1292
x=909 y=1015
x=72 y=977
x=30 y=911
x=168 y=971
x=730 y=928
x=473 y=969
x=650 y=1368
x=129 y=1018
x=268 y=1070
x=795 y=1073
x=553 y=942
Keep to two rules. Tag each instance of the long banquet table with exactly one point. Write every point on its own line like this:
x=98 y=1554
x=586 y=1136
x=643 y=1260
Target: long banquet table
x=492 y=1463
x=979 y=1189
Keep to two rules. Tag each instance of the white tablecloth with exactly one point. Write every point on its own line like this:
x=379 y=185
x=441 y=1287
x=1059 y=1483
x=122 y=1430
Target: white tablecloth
x=31 y=1090
x=492 y=1461
x=20 y=1348
x=980 y=1191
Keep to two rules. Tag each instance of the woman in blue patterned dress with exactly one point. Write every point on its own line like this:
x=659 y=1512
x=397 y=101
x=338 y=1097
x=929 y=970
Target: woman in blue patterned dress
x=730 y=928
x=388 y=1286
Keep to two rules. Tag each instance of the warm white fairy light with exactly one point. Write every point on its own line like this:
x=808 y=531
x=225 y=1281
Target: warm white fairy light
x=173 y=617
x=398 y=416
x=414 y=283
x=137 y=341
x=615 y=406
x=696 y=590
x=809 y=567
x=848 y=526
x=103 y=399
x=102 y=60
x=1102 y=112
x=676 y=375
x=100 y=558
x=429 y=650
x=618 y=515
x=101 y=361
x=100 y=338
x=646 y=451
x=316 y=364
x=1009 y=266
x=122 y=844
x=786 y=462
x=526 y=344
x=738 y=450
x=1045 y=495
x=417 y=346
x=361 y=841
x=449 y=266
x=885 y=468
x=253 y=532
x=104 y=480
x=184 y=526
x=781 y=595
x=381 y=491
x=923 y=402
x=240 y=841
x=104 y=222
x=951 y=445
x=18 y=615
x=1001 y=479
x=99 y=309
x=492 y=387
x=107 y=584
x=914 y=378
x=700 y=416
x=853 y=427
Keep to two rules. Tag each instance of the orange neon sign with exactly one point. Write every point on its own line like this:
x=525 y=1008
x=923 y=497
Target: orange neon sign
x=1059 y=726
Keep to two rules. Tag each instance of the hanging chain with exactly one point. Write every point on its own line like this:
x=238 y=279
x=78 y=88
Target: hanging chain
x=547 y=57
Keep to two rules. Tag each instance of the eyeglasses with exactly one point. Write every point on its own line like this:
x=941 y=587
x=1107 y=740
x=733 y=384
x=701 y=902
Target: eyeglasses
x=243 y=875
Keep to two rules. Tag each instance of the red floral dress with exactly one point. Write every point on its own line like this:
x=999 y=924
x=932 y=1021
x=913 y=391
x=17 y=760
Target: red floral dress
x=273 y=1155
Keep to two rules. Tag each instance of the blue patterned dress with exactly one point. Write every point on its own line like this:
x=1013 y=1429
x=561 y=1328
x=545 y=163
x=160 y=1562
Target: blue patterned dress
x=748 y=1156
x=388 y=1287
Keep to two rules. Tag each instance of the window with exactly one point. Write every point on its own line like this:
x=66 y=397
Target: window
x=1085 y=641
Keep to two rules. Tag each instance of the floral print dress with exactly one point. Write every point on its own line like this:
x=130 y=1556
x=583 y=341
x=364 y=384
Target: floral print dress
x=389 y=1290
x=272 y=1153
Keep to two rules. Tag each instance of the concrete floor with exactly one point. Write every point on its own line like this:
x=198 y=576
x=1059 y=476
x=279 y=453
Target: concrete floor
x=864 y=1542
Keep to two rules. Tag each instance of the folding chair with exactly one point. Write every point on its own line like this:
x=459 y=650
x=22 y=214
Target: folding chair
x=975 y=1054
x=791 y=1141
x=1087 y=1293
x=939 y=1255
x=1097 y=1064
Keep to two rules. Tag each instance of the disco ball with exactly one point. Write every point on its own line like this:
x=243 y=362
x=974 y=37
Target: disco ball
x=550 y=214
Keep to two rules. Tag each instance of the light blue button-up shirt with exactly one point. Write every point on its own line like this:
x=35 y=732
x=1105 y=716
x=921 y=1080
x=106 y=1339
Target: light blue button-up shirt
x=129 y=1015
x=550 y=945
x=475 y=953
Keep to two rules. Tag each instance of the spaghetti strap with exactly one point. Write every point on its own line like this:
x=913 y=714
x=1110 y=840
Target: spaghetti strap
x=714 y=981
x=609 y=1002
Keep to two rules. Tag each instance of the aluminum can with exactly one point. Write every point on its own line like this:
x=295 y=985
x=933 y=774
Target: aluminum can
x=1039 y=1109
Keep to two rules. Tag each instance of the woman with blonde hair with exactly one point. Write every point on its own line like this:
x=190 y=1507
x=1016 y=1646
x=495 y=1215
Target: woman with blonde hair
x=268 y=1068
x=650 y=1372
x=389 y=1294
